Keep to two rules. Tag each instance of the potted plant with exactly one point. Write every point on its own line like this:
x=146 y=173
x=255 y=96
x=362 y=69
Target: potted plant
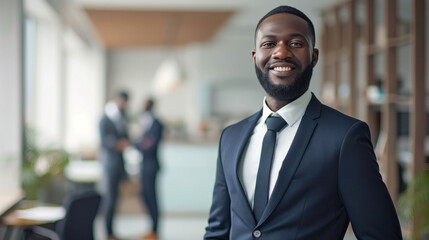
x=40 y=166
x=413 y=204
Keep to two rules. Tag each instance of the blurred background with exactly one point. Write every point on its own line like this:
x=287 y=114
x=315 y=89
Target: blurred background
x=62 y=60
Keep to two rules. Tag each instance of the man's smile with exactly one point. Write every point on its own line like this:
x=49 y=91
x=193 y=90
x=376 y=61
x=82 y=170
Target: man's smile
x=282 y=69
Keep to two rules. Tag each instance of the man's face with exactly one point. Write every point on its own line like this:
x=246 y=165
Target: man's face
x=121 y=103
x=284 y=56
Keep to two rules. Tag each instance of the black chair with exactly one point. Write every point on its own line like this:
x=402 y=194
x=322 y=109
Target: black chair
x=81 y=210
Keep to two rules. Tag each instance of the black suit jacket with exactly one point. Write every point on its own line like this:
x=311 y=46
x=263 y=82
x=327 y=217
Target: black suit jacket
x=329 y=177
x=111 y=158
x=150 y=153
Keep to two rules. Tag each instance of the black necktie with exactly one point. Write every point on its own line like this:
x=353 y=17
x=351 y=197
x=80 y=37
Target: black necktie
x=274 y=124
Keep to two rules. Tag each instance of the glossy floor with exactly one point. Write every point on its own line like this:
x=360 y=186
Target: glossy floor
x=171 y=227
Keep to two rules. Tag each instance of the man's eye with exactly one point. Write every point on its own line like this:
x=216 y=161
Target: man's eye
x=296 y=44
x=268 y=44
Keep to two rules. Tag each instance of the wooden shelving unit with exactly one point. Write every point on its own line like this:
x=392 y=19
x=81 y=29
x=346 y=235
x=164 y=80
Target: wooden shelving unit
x=357 y=22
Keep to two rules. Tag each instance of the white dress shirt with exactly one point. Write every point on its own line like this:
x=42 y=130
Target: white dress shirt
x=248 y=169
x=146 y=121
x=112 y=112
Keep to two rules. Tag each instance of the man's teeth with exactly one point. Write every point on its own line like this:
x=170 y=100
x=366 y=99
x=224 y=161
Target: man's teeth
x=282 y=69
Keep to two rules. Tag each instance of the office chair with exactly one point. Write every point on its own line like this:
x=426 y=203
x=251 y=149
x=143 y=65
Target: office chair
x=81 y=210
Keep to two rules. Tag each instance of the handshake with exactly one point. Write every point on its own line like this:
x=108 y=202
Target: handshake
x=122 y=144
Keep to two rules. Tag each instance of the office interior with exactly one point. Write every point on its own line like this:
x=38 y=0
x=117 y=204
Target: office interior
x=61 y=61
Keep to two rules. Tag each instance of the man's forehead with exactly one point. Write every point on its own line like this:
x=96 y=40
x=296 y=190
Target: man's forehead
x=284 y=19
x=283 y=22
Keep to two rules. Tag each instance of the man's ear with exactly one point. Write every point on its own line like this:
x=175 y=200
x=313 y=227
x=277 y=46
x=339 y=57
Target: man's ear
x=315 y=56
x=253 y=55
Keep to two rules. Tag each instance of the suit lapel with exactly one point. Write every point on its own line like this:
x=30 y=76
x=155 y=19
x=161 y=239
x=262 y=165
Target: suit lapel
x=113 y=126
x=244 y=133
x=294 y=156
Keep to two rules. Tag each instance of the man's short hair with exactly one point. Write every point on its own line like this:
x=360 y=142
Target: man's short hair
x=150 y=102
x=290 y=10
x=122 y=94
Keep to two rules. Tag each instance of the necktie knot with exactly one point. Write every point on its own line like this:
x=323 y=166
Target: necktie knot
x=275 y=123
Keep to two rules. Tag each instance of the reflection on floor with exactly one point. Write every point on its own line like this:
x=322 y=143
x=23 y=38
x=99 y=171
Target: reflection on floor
x=129 y=227
x=185 y=190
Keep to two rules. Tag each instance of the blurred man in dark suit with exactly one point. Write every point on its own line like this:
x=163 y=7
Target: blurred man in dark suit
x=114 y=140
x=149 y=146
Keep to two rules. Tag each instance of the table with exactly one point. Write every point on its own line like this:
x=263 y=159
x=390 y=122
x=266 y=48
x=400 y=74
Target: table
x=84 y=173
x=9 y=199
x=30 y=214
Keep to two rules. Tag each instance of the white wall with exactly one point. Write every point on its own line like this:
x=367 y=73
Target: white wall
x=133 y=70
x=203 y=65
x=11 y=40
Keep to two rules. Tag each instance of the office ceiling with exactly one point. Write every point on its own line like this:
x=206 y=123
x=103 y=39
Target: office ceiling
x=131 y=28
x=143 y=23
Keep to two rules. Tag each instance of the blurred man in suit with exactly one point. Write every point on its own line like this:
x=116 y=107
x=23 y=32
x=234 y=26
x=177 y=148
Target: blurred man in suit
x=114 y=140
x=296 y=169
x=148 y=146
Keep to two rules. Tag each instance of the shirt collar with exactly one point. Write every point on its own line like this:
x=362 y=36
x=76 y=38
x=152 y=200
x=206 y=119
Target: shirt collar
x=291 y=112
x=112 y=111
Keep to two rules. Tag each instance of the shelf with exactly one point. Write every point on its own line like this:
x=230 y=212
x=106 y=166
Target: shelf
x=399 y=41
x=376 y=48
x=398 y=99
x=392 y=99
x=382 y=55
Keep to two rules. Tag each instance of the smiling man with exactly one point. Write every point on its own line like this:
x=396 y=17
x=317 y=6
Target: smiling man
x=296 y=169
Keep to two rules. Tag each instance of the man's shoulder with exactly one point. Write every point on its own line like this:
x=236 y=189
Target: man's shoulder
x=337 y=119
x=106 y=122
x=330 y=112
x=104 y=118
x=158 y=122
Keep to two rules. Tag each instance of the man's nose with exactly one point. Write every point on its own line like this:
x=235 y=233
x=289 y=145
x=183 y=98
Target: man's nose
x=281 y=51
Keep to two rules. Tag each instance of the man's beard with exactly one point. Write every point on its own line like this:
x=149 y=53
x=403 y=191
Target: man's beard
x=287 y=92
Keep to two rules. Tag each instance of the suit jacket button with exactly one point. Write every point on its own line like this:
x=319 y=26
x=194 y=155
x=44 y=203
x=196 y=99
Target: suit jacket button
x=257 y=233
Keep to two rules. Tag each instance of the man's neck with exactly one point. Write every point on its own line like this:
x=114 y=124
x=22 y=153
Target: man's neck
x=275 y=104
